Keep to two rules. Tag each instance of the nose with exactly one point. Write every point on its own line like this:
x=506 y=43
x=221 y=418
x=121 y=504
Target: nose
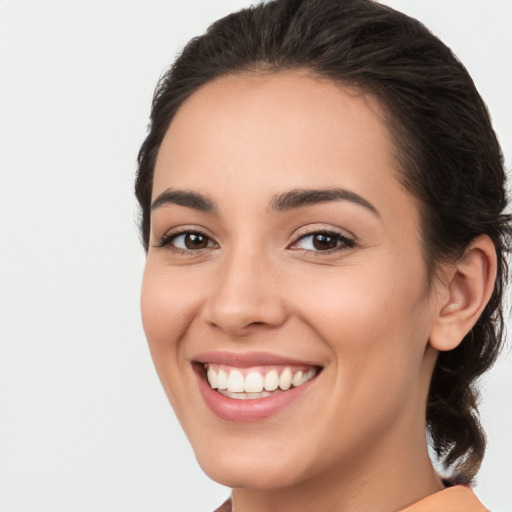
x=247 y=295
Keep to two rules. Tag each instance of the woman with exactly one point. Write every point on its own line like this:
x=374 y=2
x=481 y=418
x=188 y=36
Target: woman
x=322 y=201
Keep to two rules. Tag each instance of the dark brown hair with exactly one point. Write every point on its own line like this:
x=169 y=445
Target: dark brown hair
x=448 y=154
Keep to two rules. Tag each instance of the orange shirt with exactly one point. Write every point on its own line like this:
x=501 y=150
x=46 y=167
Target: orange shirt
x=452 y=499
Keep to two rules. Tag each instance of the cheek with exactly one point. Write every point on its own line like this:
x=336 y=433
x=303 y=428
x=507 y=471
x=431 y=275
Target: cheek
x=169 y=303
x=376 y=323
x=377 y=343
x=370 y=302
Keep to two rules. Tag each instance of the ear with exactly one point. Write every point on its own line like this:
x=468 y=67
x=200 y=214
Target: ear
x=463 y=292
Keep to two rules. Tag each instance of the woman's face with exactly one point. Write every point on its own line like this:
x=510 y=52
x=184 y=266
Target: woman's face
x=283 y=246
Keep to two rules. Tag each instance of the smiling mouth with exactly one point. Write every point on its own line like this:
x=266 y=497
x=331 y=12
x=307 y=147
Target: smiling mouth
x=256 y=382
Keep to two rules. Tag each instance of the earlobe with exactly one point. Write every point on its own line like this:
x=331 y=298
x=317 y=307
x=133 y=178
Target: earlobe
x=467 y=287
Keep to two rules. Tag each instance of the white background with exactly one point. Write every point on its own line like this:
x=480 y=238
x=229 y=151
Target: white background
x=84 y=424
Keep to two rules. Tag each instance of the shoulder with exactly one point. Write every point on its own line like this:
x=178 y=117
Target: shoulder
x=453 y=499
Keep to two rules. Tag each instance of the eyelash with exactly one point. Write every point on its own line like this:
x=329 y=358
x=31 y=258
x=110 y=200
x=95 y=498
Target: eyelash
x=168 y=238
x=343 y=242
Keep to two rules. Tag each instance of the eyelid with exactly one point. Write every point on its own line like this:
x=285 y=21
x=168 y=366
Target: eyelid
x=322 y=228
x=348 y=241
x=165 y=241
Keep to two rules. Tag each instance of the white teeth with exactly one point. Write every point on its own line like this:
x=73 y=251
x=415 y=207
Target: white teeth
x=285 y=381
x=246 y=396
x=297 y=379
x=222 y=380
x=271 y=381
x=236 y=381
x=263 y=394
x=212 y=378
x=310 y=374
x=254 y=382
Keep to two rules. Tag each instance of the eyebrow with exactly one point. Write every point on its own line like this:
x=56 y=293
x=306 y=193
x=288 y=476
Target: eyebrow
x=293 y=199
x=299 y=198
x=185 y=198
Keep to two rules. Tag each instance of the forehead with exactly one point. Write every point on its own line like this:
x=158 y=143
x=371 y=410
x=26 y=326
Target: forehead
x=248 y=133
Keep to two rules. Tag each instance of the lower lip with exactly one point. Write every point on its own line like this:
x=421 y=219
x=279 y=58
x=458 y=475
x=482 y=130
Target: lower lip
x=232 y=409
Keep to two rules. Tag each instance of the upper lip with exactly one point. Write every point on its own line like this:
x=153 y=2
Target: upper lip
x=248 y=359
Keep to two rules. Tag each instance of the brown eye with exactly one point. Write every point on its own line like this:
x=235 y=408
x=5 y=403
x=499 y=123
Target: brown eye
x=322 y=242
x=195 y=241
x=186 y=241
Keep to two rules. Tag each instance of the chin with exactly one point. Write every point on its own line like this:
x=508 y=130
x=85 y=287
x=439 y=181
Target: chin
x=255 y=470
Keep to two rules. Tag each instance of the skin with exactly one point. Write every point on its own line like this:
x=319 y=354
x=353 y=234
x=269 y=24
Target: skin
x=364 y=312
